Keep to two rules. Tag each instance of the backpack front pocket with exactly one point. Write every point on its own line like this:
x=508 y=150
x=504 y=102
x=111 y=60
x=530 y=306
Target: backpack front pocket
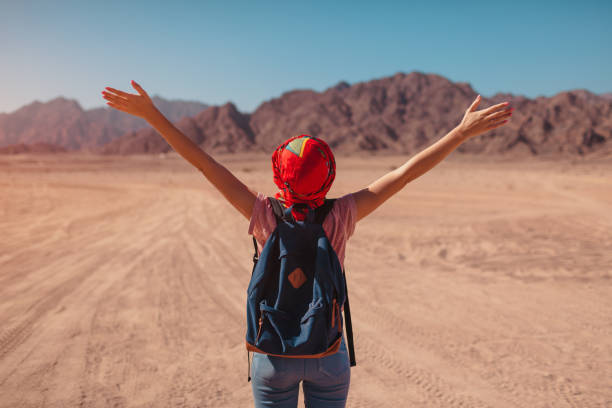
x=274 y=326
x=294 y=335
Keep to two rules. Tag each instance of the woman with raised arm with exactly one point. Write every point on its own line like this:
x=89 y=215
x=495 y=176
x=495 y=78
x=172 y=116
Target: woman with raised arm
x=304 y=170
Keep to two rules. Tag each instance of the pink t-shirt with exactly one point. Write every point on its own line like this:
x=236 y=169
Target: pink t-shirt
x=339 y=224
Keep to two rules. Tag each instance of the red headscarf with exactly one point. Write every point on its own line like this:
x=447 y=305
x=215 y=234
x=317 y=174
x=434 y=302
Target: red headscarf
x=304 y=170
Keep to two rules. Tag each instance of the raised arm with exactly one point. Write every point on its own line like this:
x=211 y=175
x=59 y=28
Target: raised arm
x=474 y=123
x=238 y=194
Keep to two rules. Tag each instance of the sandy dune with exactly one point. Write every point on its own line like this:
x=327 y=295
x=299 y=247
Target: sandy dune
x=485 y=283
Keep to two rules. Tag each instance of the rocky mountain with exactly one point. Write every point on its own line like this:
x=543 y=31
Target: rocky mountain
x=38 y=147
x=63 y=123
x=218 y=128
x=572 y=122
x=402 y=113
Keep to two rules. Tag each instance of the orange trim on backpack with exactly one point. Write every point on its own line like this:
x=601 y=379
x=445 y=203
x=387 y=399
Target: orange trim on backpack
x=331 y=350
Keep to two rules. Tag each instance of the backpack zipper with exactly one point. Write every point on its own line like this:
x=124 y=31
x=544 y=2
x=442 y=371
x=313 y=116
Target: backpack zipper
x=260 y=325
x=336 y=311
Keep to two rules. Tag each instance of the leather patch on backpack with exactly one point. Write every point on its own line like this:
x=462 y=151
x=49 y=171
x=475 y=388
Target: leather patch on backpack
x=297 y=278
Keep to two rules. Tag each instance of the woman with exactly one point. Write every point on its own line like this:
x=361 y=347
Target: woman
x=304 y=170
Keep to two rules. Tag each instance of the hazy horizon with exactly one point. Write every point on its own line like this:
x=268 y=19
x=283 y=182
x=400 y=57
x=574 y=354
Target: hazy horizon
x=102 y=105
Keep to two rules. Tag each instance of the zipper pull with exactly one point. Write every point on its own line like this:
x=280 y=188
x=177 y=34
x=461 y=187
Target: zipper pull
x=259 y=329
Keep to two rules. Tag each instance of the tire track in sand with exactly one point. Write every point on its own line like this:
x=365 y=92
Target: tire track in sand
x=88 y=261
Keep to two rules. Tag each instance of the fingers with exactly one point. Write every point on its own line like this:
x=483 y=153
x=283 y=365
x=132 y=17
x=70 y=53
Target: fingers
x=474 y=104
x=504 y=114
x=117 y=92
x=139 y=89
x=119 y=100
x=494 y=108
x=496 y=125
x=118 y=107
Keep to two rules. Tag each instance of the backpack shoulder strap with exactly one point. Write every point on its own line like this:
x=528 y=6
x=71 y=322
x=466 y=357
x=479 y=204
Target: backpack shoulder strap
x=278 y=212
x=277 y=207
x=349 y=325
x=322 y=211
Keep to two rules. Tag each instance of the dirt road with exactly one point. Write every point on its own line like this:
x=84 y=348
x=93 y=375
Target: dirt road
x=482 y=284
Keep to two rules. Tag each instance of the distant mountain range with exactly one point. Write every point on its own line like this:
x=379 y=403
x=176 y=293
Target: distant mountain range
x=62 y=125
x=402 y=113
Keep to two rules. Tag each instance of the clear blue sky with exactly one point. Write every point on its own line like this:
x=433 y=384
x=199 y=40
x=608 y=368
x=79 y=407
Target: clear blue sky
x=250 y=51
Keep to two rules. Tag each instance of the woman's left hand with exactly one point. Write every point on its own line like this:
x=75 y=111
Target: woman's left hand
x=476 y=122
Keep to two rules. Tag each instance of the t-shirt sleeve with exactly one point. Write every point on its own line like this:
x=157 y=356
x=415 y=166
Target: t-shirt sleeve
x=339 y=225
x=263 y=221
x=346 y=211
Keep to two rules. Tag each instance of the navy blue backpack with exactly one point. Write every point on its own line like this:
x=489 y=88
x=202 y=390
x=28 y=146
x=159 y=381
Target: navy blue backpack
x=297 y=290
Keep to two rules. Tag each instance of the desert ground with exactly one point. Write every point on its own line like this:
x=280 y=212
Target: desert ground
x=484 y=283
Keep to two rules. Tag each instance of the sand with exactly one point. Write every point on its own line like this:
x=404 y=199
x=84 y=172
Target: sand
x=485 y=283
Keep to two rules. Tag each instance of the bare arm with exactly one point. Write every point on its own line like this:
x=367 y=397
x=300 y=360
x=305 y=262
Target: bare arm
x=237 y=193
x=473 y=123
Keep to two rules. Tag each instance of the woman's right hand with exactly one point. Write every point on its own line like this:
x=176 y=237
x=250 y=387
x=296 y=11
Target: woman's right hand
x=236 y=192
x=476 y=122
x=139 y=104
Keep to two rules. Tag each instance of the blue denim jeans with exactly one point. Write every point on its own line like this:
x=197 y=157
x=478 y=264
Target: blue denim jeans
x=276 y=380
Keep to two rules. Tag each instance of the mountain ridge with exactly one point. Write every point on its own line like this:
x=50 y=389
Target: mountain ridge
x=402 y=113
x=63 y=123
